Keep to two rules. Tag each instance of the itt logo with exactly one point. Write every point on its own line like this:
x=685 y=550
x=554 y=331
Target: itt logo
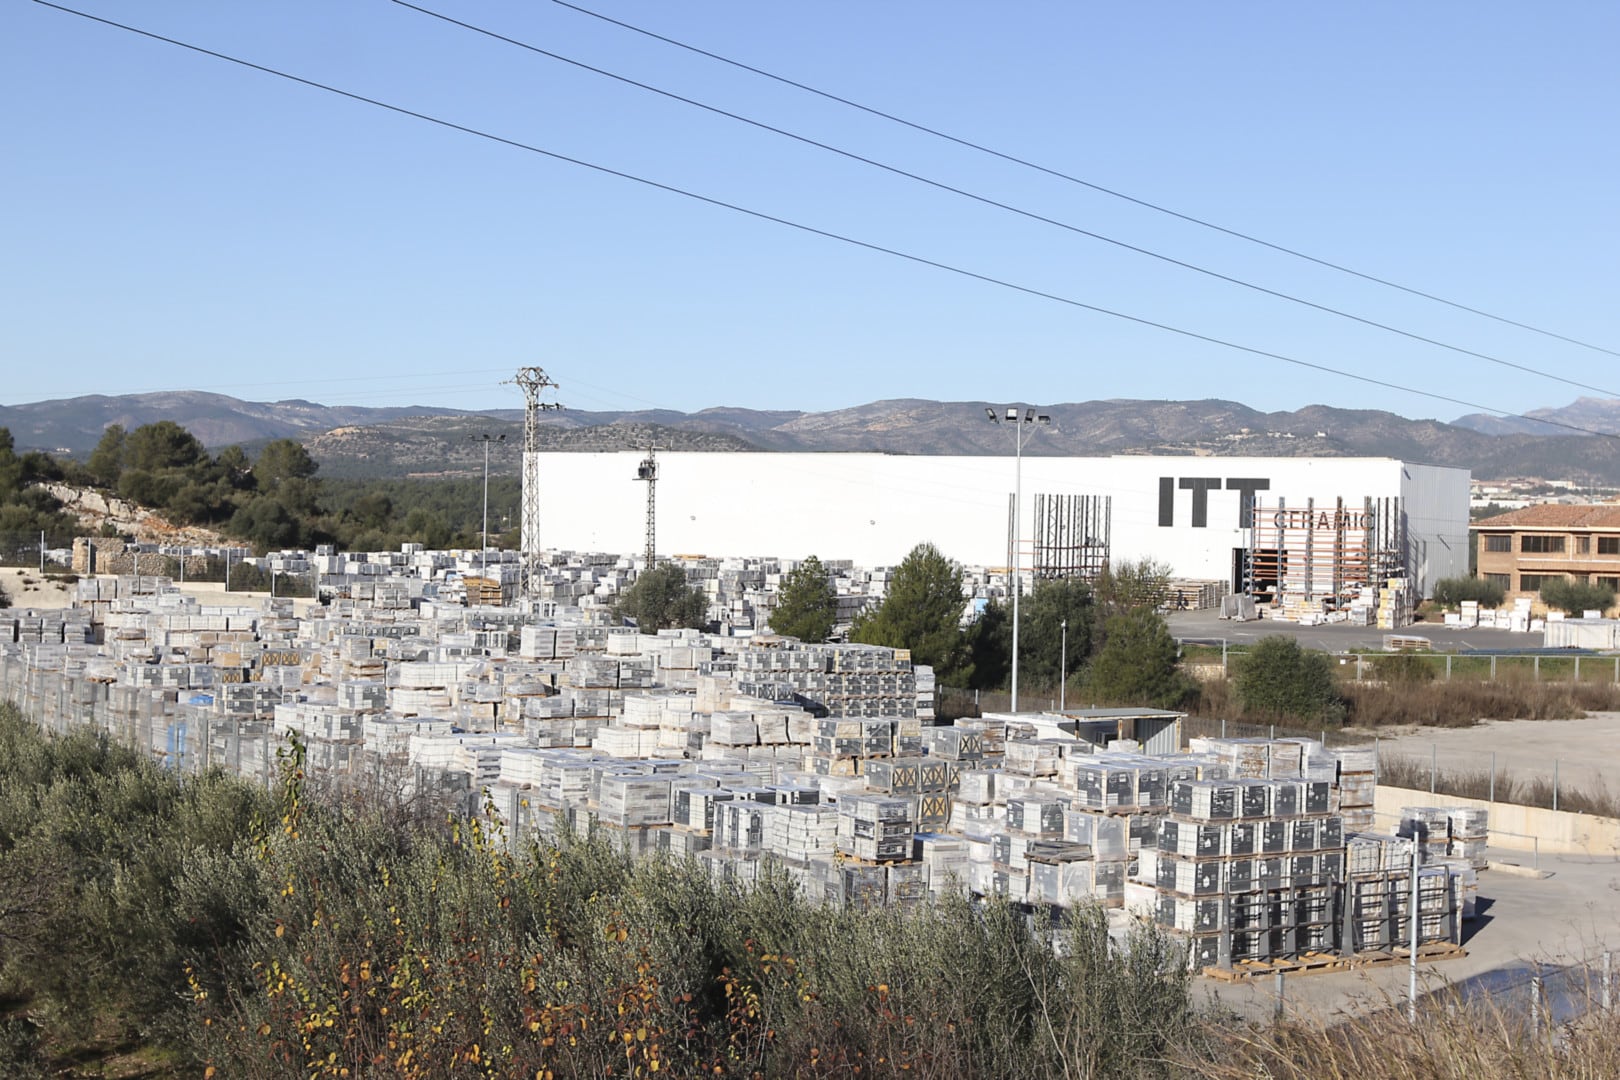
x=1201 y=486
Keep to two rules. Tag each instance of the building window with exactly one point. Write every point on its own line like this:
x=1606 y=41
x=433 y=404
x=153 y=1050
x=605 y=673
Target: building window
x=1542 y=544
x=1609 y=545
x=1502 y=542
x=1583 y=545
x=1534 y=582
x=1609 y=583
x=1504 y=580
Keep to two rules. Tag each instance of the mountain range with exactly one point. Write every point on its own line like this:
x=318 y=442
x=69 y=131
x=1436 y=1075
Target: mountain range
x=359 y=441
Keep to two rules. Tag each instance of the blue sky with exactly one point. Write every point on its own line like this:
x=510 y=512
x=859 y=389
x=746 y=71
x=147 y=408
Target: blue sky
x=176 y=222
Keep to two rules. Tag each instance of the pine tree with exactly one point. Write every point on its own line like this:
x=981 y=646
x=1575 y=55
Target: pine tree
x=807 y=605
x=922 y=610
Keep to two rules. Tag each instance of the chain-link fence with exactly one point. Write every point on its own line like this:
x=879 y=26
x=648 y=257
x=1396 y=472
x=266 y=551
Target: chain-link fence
x=1581 y=783
x=34 y=549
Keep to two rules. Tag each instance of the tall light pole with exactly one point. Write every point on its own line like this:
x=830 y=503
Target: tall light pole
x=1019 y=421
x=483 y=537
x=1063 y=670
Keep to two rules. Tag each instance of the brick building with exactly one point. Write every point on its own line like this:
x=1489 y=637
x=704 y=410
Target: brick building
x=1523 y=549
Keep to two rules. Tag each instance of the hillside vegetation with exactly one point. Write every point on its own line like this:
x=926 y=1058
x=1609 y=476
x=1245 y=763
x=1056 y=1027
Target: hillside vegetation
x=268 y=500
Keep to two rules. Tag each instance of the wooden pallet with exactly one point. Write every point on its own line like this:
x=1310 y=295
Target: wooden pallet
x=1319 y=963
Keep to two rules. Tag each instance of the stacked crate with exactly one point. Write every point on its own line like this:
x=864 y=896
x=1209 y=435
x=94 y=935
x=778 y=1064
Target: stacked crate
x=1468 y=831
x=1378 y=897
x=1246 y=868
x=1429 y=827
x=1357 y=782
x=630 y=800
x=876 y=828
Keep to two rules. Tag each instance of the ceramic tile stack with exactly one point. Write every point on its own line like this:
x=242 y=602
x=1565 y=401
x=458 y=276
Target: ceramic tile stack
x=1247 y=867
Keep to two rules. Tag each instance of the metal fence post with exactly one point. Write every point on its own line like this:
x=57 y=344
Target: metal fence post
x=1448 y=667
x=1606 y=995
x=1493 y=776
x=1434 y=764
x=1378 y=758
x=1223 y=727
x=1577 y=669
x=1493 y=668
x=1536 y=666
x=1535 y=1006
x=1273 y=732
x=1278 y=1014
x=1415 y=923
x=1555 y=784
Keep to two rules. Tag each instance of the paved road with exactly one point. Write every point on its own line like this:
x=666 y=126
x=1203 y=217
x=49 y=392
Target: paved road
x=1337 y=637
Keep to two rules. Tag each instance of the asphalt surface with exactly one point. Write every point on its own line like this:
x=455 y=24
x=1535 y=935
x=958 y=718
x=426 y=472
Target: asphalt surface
x=1338 y=637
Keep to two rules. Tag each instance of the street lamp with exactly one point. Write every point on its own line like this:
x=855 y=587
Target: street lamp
x=483 y=552
x=1063 y=670
x=1019 y=421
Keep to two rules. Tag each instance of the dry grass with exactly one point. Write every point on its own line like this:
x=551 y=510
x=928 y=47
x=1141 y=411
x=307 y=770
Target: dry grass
x=1414 y=774
x=1438 y=703
x=1452 y=1040
x=1463 y=703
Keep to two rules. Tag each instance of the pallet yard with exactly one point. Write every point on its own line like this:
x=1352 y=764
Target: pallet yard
x=818 y=762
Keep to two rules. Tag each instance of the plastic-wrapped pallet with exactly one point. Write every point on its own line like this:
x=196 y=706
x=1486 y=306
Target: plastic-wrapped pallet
x=1429 y=826
x=1036 y=815
x=875 y=828
x=901 y=776
x=945 y=861
x=1469 y=829
x=954 y=743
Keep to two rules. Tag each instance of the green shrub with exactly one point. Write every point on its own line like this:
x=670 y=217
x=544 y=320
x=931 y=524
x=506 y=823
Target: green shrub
x=1403 y=669
x=1278 y=680
x=1138 y=664
x=1451 y=592
x=1573 y=597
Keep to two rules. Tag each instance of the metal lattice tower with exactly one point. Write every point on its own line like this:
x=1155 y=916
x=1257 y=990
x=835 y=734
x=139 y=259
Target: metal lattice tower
x=648 y=471
x=533 y=381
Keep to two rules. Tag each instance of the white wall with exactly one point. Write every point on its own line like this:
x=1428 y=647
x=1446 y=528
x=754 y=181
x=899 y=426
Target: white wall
x=873 y=508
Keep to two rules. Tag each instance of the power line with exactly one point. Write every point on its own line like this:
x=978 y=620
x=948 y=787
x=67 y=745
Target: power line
x=1101 y=189
x=987 y=201
x=813 y=230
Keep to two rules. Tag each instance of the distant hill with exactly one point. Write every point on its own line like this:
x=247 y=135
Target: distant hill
x=1593 y=414
x=453 y=446
x=76 y=424
x=429 y=440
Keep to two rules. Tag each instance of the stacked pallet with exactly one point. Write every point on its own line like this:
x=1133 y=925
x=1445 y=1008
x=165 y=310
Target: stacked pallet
x=1378 y=897
x=1245 y=868
x=876 y=828
x=1395 y=604
x=1357 y=782
x=1429 y=827
x=1468 y=831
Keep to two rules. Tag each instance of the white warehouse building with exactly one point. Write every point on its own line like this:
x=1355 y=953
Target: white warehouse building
x=1187 y=512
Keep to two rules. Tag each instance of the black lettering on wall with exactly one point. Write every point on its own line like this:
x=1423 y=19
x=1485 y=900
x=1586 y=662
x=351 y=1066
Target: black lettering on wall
x=1200 y=486
x=1246 y=486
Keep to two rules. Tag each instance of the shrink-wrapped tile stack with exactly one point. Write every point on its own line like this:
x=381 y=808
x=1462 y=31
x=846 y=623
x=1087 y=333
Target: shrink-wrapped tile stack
x=1377 y=896
x=1357 y=780
x=1246 y=868
x=1468 y=830
x=876 y=828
